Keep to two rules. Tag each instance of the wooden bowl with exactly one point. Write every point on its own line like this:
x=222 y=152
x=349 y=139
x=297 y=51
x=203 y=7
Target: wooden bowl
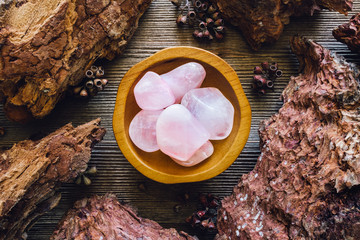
x=157 y=165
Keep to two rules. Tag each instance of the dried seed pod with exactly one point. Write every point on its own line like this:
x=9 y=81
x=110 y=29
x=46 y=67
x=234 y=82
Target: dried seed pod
x=215 y=15
x=89 y=84
x=265 y=66
x=272 y=69
x=197 y=4
x=269 y=84
x=83 y=93
x=204 y=223
x=99 y=73
x=206 y=33
x=98 y=83
x=257 y=70
x=94 y=68
x=176 y=2
x=220 y=29
x=260 y=81
x=191 y=15
x=181 y=20
x=86 y=180
x=204 y=6
x=219 y=36
x=278 y=73
x=261 y=92
x=202 y=25
x=89 y=74
x=211 y=9
x=104 y=82
x=209 y=22
x=77 y=90
x=92 y=170
x=219 y=22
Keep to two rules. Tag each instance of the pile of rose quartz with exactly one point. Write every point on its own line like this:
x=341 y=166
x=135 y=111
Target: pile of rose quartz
x=178 y=117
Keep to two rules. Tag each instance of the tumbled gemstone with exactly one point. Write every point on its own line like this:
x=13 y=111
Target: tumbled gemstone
x=142 y=130
x=212 y=109
x=183 y=78
x=152 y=93
x=200 y=155
x=178 y=133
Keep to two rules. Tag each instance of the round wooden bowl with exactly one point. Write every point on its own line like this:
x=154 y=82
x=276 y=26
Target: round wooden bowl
x=157 y=165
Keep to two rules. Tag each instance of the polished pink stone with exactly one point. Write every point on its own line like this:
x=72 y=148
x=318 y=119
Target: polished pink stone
x=178 y=133
x=212 y=109
x=152 y=93
x=142 y=130
x=183 y=78
x=200 y=155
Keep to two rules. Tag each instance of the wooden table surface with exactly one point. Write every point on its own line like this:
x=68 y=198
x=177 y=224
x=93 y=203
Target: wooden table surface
x=157 y=30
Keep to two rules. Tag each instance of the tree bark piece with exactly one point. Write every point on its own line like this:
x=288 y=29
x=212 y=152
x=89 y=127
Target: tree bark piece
x=305 y=184
x=262 y=21
x=46 y=46
x=31 y=172
x=103 y=217
x=349 y=33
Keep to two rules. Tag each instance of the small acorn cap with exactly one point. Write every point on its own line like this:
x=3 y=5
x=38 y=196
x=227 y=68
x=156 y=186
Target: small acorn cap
x=97 y=82
x=104 y=81
x=94 y=68
x=99 y=73
x=191 y=15
x=89 y=84
x=270 y=84
x=84 y=93
x=92 y=170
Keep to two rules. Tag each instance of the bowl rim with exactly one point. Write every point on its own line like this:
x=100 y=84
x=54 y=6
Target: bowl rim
x=166 y=54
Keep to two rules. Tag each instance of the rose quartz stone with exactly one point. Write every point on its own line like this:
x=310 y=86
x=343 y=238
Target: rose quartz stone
x=152 y=93
x=179 y=134
x=142 y=130
x=200 y=155
x=183 y=78
x=212 y=109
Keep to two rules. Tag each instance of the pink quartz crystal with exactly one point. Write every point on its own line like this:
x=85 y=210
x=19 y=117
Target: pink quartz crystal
x=142 y=130
x=200 y=155
x=179 y=134
x=152 y=93
x=212 y=109
x=183 y=78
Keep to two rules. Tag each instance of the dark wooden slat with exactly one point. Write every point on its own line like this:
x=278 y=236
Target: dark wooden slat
x=157 y=30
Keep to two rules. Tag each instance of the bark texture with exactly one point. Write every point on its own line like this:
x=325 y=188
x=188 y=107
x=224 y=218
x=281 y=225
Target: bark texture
x=305 y=184
x=45 y=47
x=349 y=33
x=31 y=172
x=103 y=217
x=262 y=21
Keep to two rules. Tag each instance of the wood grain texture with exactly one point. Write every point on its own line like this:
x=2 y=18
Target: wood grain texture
x=157 y=30
x=158 y=166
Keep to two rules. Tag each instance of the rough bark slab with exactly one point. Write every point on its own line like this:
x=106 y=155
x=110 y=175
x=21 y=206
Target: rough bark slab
x=305 y=184
x=262 y=21
x=45 y=47
x=31 y=171
x=103 y=217
x=349 y=33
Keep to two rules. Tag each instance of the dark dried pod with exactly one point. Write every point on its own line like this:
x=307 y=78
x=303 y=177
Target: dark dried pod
x=197 y=4
x=202 y=25
x=200 y=35
x=211 y=9
x=257 y=70
x=260 y=81
x=206 y=33
x=196 y=33
x=211 y=226
x=200 y=213
x=89 y=84
x=77 y=90
x=191 y=15
x=269 y=84
x=86 y=180
x=273 y=68
x=204 y=224
x=83 y=93
x=204 y=6
x=98 y=83
x=196 y=221
x=89 y=74
x=220 y=29
x=219 y=22
x=99 y=73
x=104 y=81
x=215 y=15
x=265 y=66
x=278 y=73
x=261 y=92
x=210 y=37
x=201 y=15
x=91 y=171
x=94 y=68
x=209 y=22
x=181 y=20
x=219 y=36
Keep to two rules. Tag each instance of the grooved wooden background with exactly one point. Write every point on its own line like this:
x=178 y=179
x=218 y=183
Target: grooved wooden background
x=157 y=30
